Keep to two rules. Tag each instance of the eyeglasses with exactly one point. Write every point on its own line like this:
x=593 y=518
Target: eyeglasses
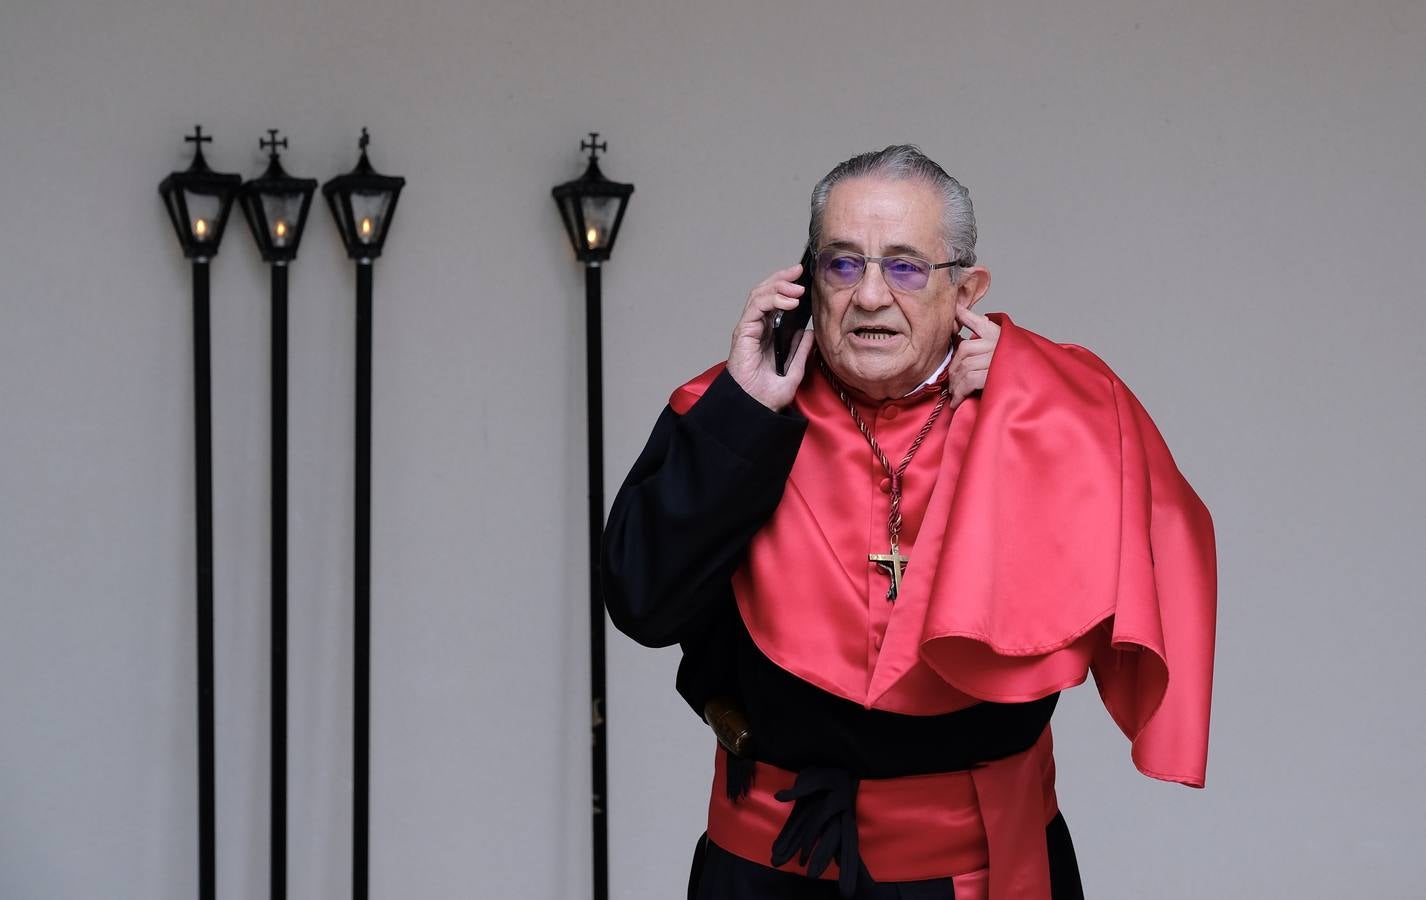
x=845 y=268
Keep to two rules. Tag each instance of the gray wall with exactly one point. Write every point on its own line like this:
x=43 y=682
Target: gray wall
x=1225 y=200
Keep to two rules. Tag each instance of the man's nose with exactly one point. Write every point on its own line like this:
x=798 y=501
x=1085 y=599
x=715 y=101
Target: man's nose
x=873 y=292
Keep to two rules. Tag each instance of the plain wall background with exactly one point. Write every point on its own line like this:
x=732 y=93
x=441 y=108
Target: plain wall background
x=1226 y=201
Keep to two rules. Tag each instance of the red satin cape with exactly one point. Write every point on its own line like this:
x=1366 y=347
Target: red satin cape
x=1050 y=535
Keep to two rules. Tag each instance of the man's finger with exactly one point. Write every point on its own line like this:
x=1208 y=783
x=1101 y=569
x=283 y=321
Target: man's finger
x=802 y=342
x=957 y=395
x=760 y=303
x=974 y=347
x=975 y=363
x=978 y=324
x=968 y=349
x=971 y=378
x=971 y=317
x=788 y=274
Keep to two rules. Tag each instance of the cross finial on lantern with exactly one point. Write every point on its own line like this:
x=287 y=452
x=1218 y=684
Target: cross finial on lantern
x=365 y=140
x=271 y=143
x=198 y=137
x=594 y=146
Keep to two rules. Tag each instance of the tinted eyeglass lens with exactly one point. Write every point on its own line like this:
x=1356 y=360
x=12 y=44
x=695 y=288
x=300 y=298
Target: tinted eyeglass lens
x=905 y=272
x=843 y=269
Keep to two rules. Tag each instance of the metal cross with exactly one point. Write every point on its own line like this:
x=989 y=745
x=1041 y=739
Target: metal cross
x=594 y=146
x=271 y=143
x=198 y=137
x=895 y=565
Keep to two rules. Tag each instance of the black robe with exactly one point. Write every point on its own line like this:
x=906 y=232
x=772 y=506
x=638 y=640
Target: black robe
x=705 y=482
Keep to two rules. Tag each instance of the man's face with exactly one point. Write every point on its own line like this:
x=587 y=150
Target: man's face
x=880 y=341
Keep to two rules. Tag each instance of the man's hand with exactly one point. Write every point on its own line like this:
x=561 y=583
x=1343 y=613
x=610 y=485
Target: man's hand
x=750 y=360
x=971 y=363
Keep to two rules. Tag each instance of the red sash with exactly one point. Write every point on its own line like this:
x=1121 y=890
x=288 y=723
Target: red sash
x=985 y=827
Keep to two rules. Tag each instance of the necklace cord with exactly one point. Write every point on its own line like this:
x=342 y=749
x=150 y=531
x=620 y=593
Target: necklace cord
x=893 y=524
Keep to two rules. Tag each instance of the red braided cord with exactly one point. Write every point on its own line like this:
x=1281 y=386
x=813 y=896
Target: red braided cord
x=893 y=525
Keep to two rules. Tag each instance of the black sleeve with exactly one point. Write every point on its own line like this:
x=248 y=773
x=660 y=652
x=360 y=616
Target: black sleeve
x=705 y=482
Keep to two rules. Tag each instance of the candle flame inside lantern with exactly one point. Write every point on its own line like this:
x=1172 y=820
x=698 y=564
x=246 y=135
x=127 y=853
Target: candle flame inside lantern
x=366 y=228
x=200 y=229
x=592 y=236
x=279 y=232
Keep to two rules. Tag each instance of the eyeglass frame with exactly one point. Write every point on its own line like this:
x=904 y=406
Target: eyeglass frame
x=880 y=261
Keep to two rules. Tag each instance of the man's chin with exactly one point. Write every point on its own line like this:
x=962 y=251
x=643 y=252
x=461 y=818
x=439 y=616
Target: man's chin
x=874 y=375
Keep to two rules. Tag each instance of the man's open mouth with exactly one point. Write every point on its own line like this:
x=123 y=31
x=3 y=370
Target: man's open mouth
x=874 y=332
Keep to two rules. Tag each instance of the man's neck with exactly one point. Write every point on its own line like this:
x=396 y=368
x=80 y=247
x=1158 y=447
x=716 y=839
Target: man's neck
x=936 y=374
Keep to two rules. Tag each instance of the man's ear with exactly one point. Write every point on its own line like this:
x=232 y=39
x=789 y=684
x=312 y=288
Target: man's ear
x=975 y=281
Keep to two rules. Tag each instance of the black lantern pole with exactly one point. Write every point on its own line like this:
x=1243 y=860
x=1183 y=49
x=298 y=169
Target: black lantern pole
x=363 y=203
x=592 y=208
x=198 y=201
x=275 y=206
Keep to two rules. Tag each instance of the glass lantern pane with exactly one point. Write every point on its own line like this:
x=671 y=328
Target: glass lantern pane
x=203 y=212
x=173 y=199
x=599 y=213
x=369 y=215
x=341 y=213
x=282 y=212
x=568 y=207
x=170 y=200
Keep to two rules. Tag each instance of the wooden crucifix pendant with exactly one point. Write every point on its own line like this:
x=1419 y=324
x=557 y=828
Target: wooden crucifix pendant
x=894 y=564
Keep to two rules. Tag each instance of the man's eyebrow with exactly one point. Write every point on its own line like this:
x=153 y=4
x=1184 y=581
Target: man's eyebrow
x=903 y=250
x=890 y=250
x=893 y=250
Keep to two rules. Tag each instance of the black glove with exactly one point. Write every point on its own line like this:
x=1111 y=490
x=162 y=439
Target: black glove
x=822 y=826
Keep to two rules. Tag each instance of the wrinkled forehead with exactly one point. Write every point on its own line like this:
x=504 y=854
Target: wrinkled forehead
x=882 y=216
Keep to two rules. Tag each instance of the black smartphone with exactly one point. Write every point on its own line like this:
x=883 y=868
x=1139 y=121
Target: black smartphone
x=787 y=324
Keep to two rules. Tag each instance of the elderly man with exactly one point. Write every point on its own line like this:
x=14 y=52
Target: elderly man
x=883 y=566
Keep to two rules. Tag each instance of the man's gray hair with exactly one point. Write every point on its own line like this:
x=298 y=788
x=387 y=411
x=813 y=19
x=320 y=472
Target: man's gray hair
x=905 y=162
